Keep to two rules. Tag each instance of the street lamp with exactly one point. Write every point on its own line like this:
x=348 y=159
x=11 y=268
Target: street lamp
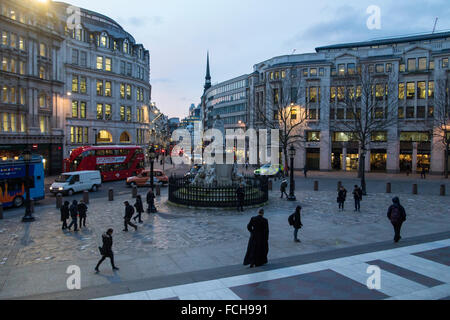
x=152 y=157
x=292 y=184
x=27 y=156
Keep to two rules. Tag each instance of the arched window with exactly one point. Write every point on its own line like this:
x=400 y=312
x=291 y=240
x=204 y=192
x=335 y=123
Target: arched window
x=104 y=40
x=104 y=136
x=125 y=137
x=42 y=100
x=125 y=46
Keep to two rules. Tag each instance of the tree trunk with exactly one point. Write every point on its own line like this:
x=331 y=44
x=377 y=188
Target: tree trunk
x=363 y=172
x=446 y=160
x=286 y=161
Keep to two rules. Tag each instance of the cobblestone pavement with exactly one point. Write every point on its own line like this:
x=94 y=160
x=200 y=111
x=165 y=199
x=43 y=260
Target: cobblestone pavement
x=197 y=239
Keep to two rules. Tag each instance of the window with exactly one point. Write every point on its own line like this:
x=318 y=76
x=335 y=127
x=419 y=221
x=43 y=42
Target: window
x=22 y=67
x=83 y=59
x=125 y=46
x=414 y=136
x=388 y=67
x=74 y=109
x=22 y=95
x=333 y=71
x=276 y=97
x=421 y=112
x=122 y=91
x=129 y=69
x=313 y=72
x=42 y=73
x=122 y=113
x=283 y=74
x=421 y=90
x=401 y=67
x=108 y=112
x=5 y=122
x=108 y=92
x=13 y=95
x=332 y=94
x=4 y=64
x=13 y=66
x=431 y=65
x=341 y=93
x=42 y=100
x=313 y=94
x=321 y=72
x=294 y=96
x=99 y=63
x=411 y=65
x=431 y=89
x=410 y=113
x=341 y=69
x=401 y=113
x=293 y=114
x=74 y=83
x=430 y=113
x=5 y=38
x=13 y=43
x=100 y=87
x=351 y=68
x=21 y=43
x=122 y=67
x=313 y=136
x=43 y=50
x=99 y=111
x=128 y=92
x=13 y=123
x=43 y=124
x=83 y=110
x=75 y=55
x=79 y=34
x=410 y=90
x=371 y=68
x=422 y=64
x=379 y=136
x=5 y=94
x=83 y=85
x=103 y=40
x=108 y=64
x=444 y=63
x=379 y=91
x=129 y=114
x=380 y=68
x=401 y=91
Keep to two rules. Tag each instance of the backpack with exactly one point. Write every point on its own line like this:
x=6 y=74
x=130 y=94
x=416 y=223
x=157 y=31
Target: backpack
x=396 y=215
x=291 y=220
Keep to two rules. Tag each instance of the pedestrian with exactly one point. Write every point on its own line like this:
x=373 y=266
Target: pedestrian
x=423 y=172
x=408 y=169
x=283 y=188
x=246 y=165
x=106 y=250
x=139 y=209
x=74 y=215
x=305 y=171
x=151 y=202
x=258 y=244
x=240 y=194
x=129 y=212
x=295 y=220
x=397 y=215
x=357 y=195
x=342 y=197
x=82 y=211
x=65 y=214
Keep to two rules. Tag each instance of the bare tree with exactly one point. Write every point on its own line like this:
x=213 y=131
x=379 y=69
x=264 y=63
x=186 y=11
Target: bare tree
x=281 y=112
x=442 y=117
x=370 y=105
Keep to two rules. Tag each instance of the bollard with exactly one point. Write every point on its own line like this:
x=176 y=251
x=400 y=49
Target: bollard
x=415 y=189
x=111 y=194
x=388 y=187
x=1 y=211
x=270 y=185
x=316 y=185
x=59 y=200
x=86 y=197
x=339 y=185
x=443 y=190
x=134 y=192
x=158 y=190
x=32 y=206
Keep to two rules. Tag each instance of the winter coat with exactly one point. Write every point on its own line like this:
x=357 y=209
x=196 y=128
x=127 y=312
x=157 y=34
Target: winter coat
x=107 y=245
x=297 y=220
x=258 y=244
x=82 y=209
x=342 y=195
x=73 y=211
x=240 y=193
x=129 y=212
x=401 y=209
x=139 y=207
x=65 y=213
x=150 y=198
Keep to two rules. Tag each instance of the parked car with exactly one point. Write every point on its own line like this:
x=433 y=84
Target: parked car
x=143 y=179
x=270 y=170
x=78 y=181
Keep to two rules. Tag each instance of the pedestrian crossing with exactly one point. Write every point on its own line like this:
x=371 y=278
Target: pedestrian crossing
x=405 y=275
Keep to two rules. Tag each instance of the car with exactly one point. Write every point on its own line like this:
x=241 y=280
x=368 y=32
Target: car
x=78 y=181
x=143 y=179
x=270 y=170
x=193 y=172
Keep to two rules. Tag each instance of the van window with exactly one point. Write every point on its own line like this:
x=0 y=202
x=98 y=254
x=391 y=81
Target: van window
x=76 y=178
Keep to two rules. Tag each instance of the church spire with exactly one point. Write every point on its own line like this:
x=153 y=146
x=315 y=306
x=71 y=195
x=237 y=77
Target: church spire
x=208 y=74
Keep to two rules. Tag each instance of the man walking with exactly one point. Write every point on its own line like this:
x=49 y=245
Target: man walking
x=139 y=209
x=397 y=215
x=305 y=171
x=423 y=172
x=65 y=214
x=106 y=250
x=151 y=202
x=129 y=212
x=82 y=211
x=295 y=220
x=74 y=215
x=357 y=195
x=240 y=193
x=258 y=244
x=283 y=188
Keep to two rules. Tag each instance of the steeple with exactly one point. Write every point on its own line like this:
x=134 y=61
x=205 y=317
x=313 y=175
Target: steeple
x=208 y=75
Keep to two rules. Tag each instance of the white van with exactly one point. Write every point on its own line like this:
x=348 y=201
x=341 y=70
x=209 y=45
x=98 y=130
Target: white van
x=72 y=182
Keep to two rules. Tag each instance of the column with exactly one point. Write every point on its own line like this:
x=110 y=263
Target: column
x=414 y=158
x=344 y=157
x=325 y=151
x=437 y=155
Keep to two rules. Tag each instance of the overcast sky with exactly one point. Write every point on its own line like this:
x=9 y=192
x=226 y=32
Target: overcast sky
x=241 y=33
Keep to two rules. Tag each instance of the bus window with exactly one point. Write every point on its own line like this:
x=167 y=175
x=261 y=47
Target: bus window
x=109 y=152
x=99 y=152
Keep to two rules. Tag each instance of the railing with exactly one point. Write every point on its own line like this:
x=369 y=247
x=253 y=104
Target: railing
x=181 y=191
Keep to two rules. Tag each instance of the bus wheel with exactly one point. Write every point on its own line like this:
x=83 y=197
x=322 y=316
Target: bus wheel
x=18 y=202
x=70 y=192
x=94 y=188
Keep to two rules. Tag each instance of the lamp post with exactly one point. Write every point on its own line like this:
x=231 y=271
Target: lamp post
x=27 y=156
x=292 y=184
x=151 y=156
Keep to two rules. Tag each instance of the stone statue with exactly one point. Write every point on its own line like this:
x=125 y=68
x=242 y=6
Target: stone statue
x=237 y=177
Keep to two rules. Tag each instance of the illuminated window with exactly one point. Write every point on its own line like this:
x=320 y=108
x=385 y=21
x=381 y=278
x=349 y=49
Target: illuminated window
x=74 y=83
x=103 y=40
x=42 y=100
x=379 y=68
x=43 y=124
x=100 y=87
x=13 y=43
x=108 y=92
x=444 y=63
x=43 y=50
x=431 y=65
x=5 y=122
x=313 y=94
x=23 y=125
x=128 y=92
x=125 y=46
x=74 y=109
x=79 y=34
x=21 y=43
x=83 y=85
x=313 y=72
x=388 y=67
x=332 y=94
x=341 y=69
x=122 y=91
x=83 y=110
x=402 y=67
x=129 y=114
x=108 y=64
x=108 y=112
x=422 y=64
x=13 y=123
x=122 y=113
x=42 y=73
x=12 y=14
x=99 y=63
x=125 y=138
x=401 y=91
x=379 y=136
x=13 y=66
x=5 y=38
x=411 y=65
x=431 y=89
x=379 y=91
x=313 y=136
x=4 y=64
x=13 y=95
x=99 y=111
x=22 y=67
x=5 y=94
x=421 y=90
x=104 y=137
x=410 y=90
x=22 y=96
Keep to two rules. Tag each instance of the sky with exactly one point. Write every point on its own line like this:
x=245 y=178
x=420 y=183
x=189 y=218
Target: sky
x=241 y=33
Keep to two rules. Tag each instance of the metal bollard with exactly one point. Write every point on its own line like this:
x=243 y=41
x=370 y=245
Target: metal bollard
x=388 y=187
x=111 y=194
x=59 y=200
x=415 y=189
x=316 y=185
x=1 y=211
x=443 y=190
x=86 y=197
x=158 y=190
x=270 y=185
x=134 y=192
x=339 y=185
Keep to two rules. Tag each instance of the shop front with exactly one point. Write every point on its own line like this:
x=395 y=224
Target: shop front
x=378 y=160
x=406 y=156
x=313 y=158
x=424 y=156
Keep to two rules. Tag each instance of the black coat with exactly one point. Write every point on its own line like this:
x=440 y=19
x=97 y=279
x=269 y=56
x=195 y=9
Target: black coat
x=82 y=209
x=129 y=211
x=107 y=245
x=297 y=220
x=258 y=245
x=139 y=207
x=240 y=193
x=73 y=211
x=65 y=213
x=402 y=212
x=150 y=198
x=357 y=194
x=342 y=195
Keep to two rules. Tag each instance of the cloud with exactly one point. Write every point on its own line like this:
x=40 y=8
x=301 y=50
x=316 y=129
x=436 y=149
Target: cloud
x=143 y=21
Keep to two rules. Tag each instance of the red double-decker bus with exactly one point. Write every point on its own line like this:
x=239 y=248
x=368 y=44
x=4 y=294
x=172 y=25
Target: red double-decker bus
x=113 y=162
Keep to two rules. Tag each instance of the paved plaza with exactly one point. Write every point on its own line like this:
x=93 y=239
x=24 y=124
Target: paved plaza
x=178 y=241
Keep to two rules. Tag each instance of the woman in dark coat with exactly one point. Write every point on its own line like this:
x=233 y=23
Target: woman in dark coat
x=342 y=196
x=139 y=209
x=297 y=222
x=258 y=245
x=65 y=214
